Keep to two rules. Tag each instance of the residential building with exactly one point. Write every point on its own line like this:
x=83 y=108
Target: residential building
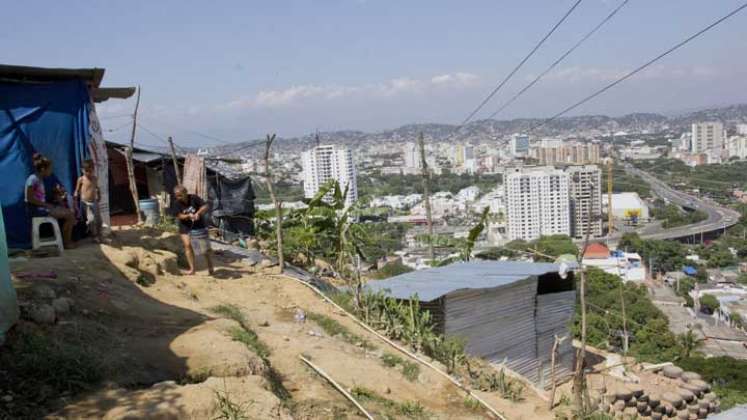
x=737 y=147
x=411 y=156
x=707 y=136
x=585 y=192
x=537 y=202
x=742 y=129
x=330 y=162
x=553 y=152
x=519 y=145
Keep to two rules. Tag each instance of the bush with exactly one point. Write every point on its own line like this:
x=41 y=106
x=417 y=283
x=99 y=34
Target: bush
x=709 y=304
x=728 y=377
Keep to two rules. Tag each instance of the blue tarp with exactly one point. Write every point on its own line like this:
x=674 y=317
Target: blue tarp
x=690 y=271
x=8 y=302
x=51 y=119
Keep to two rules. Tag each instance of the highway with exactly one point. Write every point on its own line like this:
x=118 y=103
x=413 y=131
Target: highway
x=718 y=217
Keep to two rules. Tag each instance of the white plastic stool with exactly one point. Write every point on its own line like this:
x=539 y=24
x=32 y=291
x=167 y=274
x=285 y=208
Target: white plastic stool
x=37 y=242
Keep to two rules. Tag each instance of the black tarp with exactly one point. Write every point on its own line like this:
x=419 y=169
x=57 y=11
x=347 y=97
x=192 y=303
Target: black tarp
x=231 y=202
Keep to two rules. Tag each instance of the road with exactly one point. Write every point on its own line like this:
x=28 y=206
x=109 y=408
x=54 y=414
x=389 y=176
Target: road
x=718 y=217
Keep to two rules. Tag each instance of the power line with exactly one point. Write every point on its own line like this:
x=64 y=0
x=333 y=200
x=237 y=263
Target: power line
x=166 y=142
x=521 y=63
x=560 y=59
x=207 y=136
x=640 y=68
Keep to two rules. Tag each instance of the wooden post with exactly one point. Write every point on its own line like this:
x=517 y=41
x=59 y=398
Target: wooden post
x=553 y=355
x=427 y=196
x=278 y=205
x=625 y=322
x=176 y=162
x=130 y=163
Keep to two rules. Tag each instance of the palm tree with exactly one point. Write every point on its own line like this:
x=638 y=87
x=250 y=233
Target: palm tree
x=689 y=342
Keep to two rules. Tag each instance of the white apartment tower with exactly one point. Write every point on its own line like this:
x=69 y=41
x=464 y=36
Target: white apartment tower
x=537 y=202
x=707 y=136
x=324 y=163
x=585 y=193
x=519 y=145
x=410 y=155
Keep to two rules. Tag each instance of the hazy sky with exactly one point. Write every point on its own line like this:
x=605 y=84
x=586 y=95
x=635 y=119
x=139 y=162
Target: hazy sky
x=238 y=69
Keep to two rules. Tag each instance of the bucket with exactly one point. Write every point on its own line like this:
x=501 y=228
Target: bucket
x=149 y=207
x=200 y=241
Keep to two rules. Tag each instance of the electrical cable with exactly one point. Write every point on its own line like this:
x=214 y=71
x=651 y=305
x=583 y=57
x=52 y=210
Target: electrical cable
x=639 y=68
x=560 y=59
x=521 y=63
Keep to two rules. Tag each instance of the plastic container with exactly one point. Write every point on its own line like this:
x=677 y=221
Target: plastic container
x=200 y=241
x=149 y=207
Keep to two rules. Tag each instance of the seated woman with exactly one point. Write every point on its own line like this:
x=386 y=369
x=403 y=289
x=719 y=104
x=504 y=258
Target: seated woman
x=36 y=200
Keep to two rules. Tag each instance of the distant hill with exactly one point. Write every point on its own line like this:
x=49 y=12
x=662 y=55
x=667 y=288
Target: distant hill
x=485 y=130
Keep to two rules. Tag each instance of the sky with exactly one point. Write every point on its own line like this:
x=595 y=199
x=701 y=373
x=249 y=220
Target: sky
x=226 y=71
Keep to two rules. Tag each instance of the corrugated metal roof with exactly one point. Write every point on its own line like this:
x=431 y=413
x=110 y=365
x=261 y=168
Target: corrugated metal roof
x=433 y=283
x=735 y=413
x=146 y=157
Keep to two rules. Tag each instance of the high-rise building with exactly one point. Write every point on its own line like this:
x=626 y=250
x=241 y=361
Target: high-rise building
x=737 y=147
x=575 y=153
x=742 y=129
x=519 y=145
x=411 y=155
x=707 y=136
x=324 y=163
x=585 y=193
x=537 y=202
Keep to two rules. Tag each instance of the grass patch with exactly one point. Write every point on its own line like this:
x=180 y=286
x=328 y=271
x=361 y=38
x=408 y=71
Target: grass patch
x=472 y=404
x=244 y=334
x=410 y=370
x=35 y=369
x=249 y=338
x=227 y=409
x=334 y=328
x=393 y=409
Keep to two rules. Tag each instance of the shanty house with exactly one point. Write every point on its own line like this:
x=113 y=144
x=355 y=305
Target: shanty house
x=506 y=311
x=49 y=111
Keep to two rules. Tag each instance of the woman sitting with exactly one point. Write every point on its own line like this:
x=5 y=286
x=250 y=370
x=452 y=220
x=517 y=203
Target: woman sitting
x=36 y=200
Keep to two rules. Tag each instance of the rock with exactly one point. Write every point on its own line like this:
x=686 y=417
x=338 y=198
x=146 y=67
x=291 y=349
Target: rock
x=642 y=406
x=252 y=244
x=44 y=292
x=637 y=391
x=700 y=384
x=266 y=263
x=624 y=395
x=654 y=400
x=632 y=402
x=642 y=397
x=668 y=409
x=656 y=416
x=673 y=372
x=693 y=408
x=683 y=415
x=674 y=399
x=702 y=413
x=630 y=412
x=689 y=376
x=42 y=314
x=710 y=397
x=619 y=405
x=61 y=306
x=686 y=395
x=692 y=388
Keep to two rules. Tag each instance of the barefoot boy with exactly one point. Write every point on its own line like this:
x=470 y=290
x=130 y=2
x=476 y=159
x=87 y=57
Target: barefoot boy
x=87 y=190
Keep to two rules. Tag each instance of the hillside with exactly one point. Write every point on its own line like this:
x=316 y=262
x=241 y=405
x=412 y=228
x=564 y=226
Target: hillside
x=492 y=129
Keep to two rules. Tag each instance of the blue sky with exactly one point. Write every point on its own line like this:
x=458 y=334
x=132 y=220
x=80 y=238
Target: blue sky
x=238 y=69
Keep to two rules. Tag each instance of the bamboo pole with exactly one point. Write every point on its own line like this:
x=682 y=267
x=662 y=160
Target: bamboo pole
x=174 y=160
x=337 y=386
x=278 y=205
x=427 y=196
x=130 y=163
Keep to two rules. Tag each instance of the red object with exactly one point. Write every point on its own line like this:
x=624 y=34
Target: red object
x=597 y=251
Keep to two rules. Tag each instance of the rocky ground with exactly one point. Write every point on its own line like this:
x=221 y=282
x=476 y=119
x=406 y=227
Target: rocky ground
x=128 y=336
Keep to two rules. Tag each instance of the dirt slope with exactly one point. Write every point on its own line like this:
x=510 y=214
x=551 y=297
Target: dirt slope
x=151 y=325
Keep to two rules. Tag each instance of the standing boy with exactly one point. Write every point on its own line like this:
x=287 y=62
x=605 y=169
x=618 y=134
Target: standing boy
x=87 y=191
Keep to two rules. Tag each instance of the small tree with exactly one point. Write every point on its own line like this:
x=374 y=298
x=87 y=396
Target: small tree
x=689 y=342
x=709 y=304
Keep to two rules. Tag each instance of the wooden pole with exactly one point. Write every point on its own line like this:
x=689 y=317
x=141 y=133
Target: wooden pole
x=427 y=196
x=130 y=163
x=553 y=355
x=176 y=162
x=337 y=386
x=278 y=205
x=610 y=224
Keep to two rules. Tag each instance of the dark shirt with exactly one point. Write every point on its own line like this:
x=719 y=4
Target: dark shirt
x=191 y=207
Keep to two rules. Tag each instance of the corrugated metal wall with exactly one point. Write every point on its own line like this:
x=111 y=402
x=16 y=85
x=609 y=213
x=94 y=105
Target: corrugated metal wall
x=511 y=324
x=498 y=324
x=554 y=313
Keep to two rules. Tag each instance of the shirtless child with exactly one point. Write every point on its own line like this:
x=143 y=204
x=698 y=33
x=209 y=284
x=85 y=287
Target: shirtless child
x=87 y=190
